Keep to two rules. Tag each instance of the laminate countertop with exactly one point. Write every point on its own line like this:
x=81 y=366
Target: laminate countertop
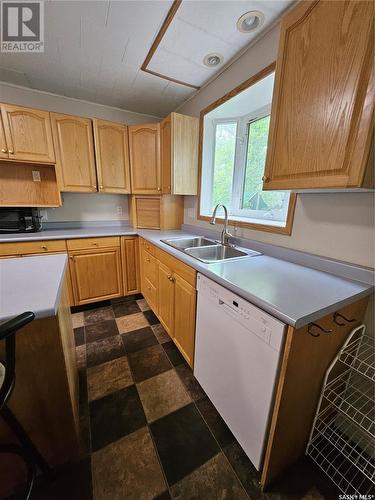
x=293 y=293
x=31 y=284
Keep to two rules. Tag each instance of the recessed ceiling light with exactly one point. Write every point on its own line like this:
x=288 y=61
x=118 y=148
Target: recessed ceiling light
x=212 y=60
x=250 y=21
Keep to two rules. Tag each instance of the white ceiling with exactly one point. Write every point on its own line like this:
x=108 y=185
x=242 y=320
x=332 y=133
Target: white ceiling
x=94 y=49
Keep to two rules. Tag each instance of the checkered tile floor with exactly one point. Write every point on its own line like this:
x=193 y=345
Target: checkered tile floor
x=148 y=429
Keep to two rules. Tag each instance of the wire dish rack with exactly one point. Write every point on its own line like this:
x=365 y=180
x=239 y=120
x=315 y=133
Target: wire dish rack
x=342 y=439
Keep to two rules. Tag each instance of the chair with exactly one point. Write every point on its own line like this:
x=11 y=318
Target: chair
x=26 y=450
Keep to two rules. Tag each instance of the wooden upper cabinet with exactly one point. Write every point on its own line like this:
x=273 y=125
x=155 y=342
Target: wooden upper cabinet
x=112 y=156
x=166 y=154
x=3 y=143
x=28 y=134
x=179 y=154
x=75 y=161
x=322 y=110
x=144 y=144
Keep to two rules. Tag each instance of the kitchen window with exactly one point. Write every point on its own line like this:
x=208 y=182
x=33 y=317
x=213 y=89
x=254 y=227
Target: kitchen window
x=233 y=161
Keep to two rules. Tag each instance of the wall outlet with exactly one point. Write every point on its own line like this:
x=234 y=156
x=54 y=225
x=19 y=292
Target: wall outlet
x=36 y=175
x=43 y=214
x=119 y=210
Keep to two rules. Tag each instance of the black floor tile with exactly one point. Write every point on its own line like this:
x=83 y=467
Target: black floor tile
x=151 y=317
x=245 y=470
x=183 y=441
x=100 y=331
x=125 y=308
x=148 y=362
x=104 y=350
x=173 y=353
x=115 y=416
x=214 y=421
x=127 y=298
x=139 y=339
x=190 y=382
x=79 y=336
x=87 y=307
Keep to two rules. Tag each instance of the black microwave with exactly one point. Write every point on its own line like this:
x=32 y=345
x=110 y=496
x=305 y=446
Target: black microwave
x=20 y=220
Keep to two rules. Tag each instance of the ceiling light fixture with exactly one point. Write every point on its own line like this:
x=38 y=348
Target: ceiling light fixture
x=212 y=60
x=250 y=21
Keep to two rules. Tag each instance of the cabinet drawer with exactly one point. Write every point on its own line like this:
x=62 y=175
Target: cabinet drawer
x=186 y=272
x=148 y=246
x=150 y=293
x=30 y=247
x=150 y=267
x=87 y=243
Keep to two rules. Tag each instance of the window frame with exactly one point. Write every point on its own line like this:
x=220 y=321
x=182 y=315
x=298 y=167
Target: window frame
x=243 y=219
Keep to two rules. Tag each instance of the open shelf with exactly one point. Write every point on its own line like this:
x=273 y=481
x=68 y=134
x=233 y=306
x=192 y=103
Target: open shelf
x=342 y=440
x=353 y=396
x=338 y=468
x=359 y=354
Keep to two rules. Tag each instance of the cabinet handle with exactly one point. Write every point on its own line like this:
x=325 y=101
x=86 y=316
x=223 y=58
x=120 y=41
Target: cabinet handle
x=44 y=247
x=11 y=152
x=171 y=278
x=71 y=257
x=265 y=178
x=159 y=189
x=317 y=327
x=147 y=259
x=101 y=186
x=4 y=150
x=95 y=243
x=337 y=318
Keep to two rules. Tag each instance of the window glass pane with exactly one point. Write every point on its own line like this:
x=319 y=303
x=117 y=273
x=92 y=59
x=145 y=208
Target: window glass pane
x=270 y=204
x=225 y=147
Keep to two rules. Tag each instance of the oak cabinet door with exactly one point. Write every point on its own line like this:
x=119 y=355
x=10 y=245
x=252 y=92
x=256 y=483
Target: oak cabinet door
x=130 y=265
x=3 y=143
x=28 y=134
x=149 y=279
x=166 y=298
x=112 y=156
x=144 y=145
x=321 y=120
x=75 y=162
x=96 y=275
x=184 y=317
x=166 y=153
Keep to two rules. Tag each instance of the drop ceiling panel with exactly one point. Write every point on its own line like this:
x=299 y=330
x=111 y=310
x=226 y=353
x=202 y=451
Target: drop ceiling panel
x=94 y=50
x=203 y=27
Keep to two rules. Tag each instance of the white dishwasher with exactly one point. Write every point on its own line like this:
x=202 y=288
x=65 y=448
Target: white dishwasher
x=237 y=353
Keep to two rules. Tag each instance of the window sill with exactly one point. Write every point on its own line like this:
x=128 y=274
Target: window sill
x=262 y=225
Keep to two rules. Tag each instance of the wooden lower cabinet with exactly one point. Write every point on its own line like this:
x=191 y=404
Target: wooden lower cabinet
x=130 y=265
x=96 y=274
x=166 y=298
x=185 y=300
x=169 y=287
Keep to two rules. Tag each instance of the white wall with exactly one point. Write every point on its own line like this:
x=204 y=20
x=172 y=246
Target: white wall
x=78 y=206
x=339 y=225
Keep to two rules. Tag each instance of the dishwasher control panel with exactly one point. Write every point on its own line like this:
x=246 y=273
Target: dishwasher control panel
x=262 y=324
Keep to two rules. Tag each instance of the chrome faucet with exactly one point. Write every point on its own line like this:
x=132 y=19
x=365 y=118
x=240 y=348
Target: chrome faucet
x=225 y=235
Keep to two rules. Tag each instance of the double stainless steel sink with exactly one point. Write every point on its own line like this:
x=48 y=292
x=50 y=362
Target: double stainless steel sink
x=207 y=250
